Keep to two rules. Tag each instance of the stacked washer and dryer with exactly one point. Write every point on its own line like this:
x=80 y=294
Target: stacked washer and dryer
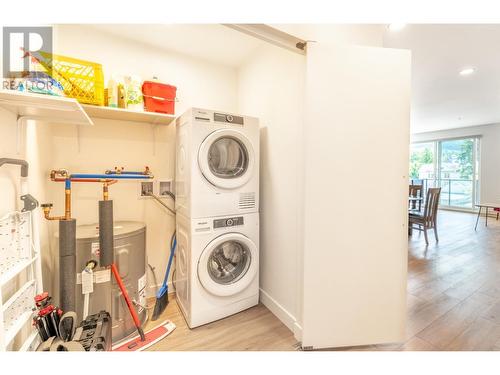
x=217 y=204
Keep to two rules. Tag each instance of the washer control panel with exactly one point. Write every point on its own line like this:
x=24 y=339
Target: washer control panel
x=222 y=117
x=228 y=222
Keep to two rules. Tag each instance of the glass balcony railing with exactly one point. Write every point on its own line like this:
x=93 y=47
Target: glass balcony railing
x=456 y=193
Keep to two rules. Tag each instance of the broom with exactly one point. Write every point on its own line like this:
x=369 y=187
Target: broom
x=162 y=294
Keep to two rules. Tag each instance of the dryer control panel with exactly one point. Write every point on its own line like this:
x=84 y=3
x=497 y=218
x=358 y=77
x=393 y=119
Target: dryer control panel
x=222 y=117
x=228 y=222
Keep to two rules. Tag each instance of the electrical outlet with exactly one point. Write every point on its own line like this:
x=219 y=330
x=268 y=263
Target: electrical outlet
x=164 y=187
x=145 y=187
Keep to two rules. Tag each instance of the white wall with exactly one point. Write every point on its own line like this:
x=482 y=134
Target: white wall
x=112 y=143
x=270 y=87
x=489 y=155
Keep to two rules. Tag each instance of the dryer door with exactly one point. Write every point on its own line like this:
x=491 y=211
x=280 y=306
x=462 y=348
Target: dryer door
x=228 y=264
x=226 y=158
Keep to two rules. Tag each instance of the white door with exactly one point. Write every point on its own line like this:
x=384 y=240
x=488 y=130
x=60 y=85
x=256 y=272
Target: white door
x=226 y=159
x=356 y=149
x=228 y=264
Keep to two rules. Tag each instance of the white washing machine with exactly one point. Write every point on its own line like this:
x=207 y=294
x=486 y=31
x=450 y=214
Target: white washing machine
x=217 y=266
x=217 y=164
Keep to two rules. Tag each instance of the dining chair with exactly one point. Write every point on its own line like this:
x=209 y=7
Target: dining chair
x=416 y=191
x=427 y=219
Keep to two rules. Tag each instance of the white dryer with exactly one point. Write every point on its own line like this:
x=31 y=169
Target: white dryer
x=217 y=164
x=217 y=266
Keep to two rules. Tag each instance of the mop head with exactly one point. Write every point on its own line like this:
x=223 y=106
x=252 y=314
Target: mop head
x=152 y=337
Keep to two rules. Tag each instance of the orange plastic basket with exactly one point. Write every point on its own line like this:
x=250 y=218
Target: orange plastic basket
x=80 y=79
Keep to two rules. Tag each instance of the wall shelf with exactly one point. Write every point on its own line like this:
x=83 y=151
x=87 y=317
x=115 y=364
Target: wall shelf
x=44 y=107
x=121 y=114
x=67 y=110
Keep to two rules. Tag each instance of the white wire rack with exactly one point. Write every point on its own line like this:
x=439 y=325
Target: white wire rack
x=18 y=254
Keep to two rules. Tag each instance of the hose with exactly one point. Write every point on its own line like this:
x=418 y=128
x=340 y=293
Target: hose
x=158 y=199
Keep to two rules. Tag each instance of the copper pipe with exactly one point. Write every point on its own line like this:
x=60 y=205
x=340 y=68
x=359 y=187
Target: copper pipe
x=67 y=204
x=105 y=192
x=46 y=213
x=62 y=175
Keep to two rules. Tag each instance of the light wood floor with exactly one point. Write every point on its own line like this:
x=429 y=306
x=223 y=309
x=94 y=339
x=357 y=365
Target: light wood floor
x=253 y=329
x=453 y=300
x=453 y=287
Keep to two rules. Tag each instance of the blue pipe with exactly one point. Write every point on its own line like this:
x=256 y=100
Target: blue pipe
x=67 y=184
x=111 y=176
x=129 y=172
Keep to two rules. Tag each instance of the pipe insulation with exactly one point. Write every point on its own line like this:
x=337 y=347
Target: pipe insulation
x=67 y=264
x=106 y=242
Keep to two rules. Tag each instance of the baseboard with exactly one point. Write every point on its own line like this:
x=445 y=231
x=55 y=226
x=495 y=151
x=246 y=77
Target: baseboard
x=281 y=313
x=297 y=331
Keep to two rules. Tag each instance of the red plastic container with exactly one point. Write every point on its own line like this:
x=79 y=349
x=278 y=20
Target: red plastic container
x=159 y=97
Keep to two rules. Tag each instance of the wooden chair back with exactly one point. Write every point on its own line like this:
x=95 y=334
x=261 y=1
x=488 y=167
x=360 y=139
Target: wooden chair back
x=416 y=191
x=431 y=206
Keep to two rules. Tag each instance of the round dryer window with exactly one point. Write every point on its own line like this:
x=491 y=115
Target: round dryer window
x=228 y=264
x=226 y=158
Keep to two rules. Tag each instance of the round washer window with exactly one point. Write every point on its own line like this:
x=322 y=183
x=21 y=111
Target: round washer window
x=227 y=157
x=228 y=262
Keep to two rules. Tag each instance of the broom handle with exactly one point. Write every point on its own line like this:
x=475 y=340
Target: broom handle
x=128 y=301
x=170 y=258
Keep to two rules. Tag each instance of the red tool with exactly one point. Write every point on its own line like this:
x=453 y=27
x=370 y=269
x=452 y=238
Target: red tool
x=131 y=308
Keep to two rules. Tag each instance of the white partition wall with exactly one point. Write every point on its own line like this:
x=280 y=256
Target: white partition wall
x=356 y=136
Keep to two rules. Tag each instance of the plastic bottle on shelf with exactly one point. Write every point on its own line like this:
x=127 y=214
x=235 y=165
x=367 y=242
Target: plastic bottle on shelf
x=122 y=96
x=112 y=92
x=133 y=93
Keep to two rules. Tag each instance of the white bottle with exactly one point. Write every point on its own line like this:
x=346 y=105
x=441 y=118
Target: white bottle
x=112 y=93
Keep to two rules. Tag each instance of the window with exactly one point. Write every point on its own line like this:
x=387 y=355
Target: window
x=451 y=164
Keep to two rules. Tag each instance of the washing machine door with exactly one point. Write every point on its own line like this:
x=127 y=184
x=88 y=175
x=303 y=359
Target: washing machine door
x=226 y=158
x=228 y=264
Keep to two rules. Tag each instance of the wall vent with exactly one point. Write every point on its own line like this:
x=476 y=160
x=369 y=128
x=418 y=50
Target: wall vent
x=247 y=201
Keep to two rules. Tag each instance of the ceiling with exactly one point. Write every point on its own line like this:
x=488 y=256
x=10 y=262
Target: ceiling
x=210 y=42
x=441 y=98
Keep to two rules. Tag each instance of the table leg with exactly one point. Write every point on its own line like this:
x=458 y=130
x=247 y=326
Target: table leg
x=486 y=224
x=477 y=220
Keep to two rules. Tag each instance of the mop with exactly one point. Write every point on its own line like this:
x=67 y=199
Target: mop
x=152 y=337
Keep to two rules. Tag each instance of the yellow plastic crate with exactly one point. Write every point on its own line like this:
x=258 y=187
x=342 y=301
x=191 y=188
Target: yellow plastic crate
x=80 y=79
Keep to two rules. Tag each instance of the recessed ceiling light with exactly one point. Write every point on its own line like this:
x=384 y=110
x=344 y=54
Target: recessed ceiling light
x=466 y=71
x=397 y=26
